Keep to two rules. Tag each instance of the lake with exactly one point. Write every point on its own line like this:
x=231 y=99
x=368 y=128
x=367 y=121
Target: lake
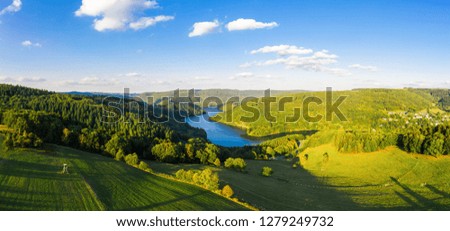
x=218 y=133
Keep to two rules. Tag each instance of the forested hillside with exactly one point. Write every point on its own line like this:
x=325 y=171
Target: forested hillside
x=222 y=94
x=90 y=123
x=362 y=109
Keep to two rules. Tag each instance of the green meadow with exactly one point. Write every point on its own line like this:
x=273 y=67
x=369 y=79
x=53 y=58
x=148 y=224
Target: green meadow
x=385 y=180
x=30 y=179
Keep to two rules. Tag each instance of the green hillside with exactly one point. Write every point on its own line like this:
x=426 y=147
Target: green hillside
x=223 y=94
x=363 y=108
x=287 y=190
x=30 y=179
x=384 y=180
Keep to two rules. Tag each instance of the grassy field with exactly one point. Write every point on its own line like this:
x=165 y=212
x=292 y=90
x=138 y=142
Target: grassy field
x=31 y=180
x=286 y=189
x=386 y=180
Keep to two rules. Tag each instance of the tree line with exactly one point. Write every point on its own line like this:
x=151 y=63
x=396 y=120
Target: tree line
x=422 y=137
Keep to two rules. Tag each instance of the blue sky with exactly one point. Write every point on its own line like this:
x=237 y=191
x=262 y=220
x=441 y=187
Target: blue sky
x=106 y=45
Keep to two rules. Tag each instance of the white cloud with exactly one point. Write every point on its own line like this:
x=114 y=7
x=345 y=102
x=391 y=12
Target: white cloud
x=145 y=22
x=15 y=6
x=202 y=28
x=6 y=79
x=293 y=57
x=201 y=78
x=314 y=62
x=133 y=74
x=250 y=75
x=28 y=43
x=90 y=81
x=242 y=75
x=245 y=74
x=120 y=14
x=363 y=67
x=22 y=80
x=283 y=50
x=249 y=24
x=31 y=80
x=248 y=64
x=160 y=82
x=337 y=71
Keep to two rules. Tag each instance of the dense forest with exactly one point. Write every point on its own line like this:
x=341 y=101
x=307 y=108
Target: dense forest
x=442 y=96
x=90 y=123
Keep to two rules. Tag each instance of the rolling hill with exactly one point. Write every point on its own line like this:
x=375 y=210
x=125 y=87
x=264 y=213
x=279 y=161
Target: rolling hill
x=362 y=108
x=389 y=179
x=30 y=179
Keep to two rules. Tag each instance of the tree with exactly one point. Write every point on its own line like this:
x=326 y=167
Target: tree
x=217 y=162
x=120 y=155
x=229 y=163
x=117 y=144
x=193 y=146
x=69 y=138
x=270 y=151
x=434 y=145
x=205 y=178
x=144 y=166
x=167 y=152
x=211 y=152
x=240 y=164
x=266 y=171
x=235 y=163
x=227 y=191
x=132 y=159
x=446 y=145
x=208 y=179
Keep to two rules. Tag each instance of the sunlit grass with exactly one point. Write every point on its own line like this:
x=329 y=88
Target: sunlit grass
x=31 y=180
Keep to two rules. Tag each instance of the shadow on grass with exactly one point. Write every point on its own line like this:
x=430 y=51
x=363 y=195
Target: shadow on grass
x=154 y=206
x=419 y=202
x=437 y=191
x=16 y=204
x=34 y=170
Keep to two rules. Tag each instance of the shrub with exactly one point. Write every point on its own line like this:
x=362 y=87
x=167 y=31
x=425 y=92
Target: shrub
x=168 y=152
x=217 y=162
x=238 y=163
x=267 y=171
x=229 y=163
x=227 y=191
x=120 y=155
x=132 y=159
x=23 y=140
x=206 y=178
x=144 y=166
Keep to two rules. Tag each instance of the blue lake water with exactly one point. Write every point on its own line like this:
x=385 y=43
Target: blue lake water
x=218 y=133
